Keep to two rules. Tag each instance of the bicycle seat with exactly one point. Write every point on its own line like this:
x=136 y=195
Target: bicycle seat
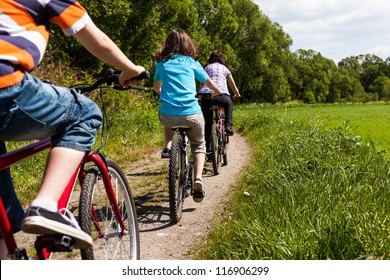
x=180 y=127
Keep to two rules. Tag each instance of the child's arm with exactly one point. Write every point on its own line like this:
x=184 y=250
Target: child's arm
x=213 y=86
x=157 y=87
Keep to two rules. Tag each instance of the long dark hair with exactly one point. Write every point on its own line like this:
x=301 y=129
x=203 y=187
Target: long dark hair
x=217 y=56
x=177 y=42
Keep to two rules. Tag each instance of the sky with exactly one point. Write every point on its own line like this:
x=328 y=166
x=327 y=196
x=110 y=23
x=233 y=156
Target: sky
x=335 y=28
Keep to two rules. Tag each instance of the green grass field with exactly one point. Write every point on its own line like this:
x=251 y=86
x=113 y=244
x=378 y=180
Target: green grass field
x=370 y=121
x=315 y=189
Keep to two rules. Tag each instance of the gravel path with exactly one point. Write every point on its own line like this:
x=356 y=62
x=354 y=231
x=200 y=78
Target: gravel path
x=162 y=240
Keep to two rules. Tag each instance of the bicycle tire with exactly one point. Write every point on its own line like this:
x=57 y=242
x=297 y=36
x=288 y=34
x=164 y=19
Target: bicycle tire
x=215 y=149
x=224 y=146
x=176 y=178
x=109 y=242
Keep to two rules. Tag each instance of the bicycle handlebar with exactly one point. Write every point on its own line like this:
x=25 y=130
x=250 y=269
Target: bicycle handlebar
x=208 y=96
x=112 y=78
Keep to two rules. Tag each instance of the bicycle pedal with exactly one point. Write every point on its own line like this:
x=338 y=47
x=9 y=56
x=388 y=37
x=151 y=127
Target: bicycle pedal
x=55 y=243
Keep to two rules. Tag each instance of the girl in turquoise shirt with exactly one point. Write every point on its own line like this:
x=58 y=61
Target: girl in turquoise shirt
x=174 y=79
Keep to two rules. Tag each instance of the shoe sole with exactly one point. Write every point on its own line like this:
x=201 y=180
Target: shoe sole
x=43 y=226
x=198 y=192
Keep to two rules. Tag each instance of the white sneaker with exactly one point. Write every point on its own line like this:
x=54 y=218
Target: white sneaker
x=199 y=192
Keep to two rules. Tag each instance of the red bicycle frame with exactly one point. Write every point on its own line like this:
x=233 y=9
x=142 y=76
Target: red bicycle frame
x=10 y=158
x=218 y=109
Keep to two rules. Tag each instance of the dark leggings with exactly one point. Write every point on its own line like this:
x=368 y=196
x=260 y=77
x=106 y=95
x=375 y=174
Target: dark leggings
x=223 y=100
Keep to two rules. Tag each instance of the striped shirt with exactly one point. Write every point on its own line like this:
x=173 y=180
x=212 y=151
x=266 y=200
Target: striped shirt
x=24 y=32
x=218 y=73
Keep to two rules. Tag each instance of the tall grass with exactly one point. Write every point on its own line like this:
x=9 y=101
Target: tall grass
x=311 y=193
x=133 y=126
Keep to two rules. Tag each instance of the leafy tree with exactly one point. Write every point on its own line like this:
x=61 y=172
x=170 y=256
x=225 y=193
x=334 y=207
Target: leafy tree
x=257 y=49
x=110 y=16
x=370 y=69
x=316 y=72
x=366 y=68
x=381 y=86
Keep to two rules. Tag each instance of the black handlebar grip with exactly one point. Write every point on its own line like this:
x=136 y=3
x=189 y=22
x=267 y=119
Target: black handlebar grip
x=143 y=76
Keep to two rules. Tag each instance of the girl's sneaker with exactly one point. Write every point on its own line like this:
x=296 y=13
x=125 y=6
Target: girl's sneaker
x=199 y=192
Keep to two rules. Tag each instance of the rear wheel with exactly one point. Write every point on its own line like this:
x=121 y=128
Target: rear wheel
x=98 y=219
x=224 y=138
x=177 y=179
x=215 y=150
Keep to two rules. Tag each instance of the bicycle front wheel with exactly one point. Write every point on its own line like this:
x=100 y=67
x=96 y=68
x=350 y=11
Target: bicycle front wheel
x=215 y=150
x=224 y=146
x=98 y=219
x=176 y=177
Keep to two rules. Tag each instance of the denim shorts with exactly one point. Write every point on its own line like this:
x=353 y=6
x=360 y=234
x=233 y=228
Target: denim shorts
x=32 y=110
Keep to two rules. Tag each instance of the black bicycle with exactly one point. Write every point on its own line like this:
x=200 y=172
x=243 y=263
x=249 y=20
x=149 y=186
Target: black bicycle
x=180 y=172
x=218 y=138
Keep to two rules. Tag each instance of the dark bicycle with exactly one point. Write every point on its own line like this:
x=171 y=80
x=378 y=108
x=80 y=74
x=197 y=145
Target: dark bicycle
x=218 y=138
x=180 y=172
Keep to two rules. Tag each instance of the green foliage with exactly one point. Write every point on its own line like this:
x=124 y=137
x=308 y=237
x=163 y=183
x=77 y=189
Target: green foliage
x=381 y=86
x=256 y=48
x=27 y=175
x=311 y=193
x=132 y=125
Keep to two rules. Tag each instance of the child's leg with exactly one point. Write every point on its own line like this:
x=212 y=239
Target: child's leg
x=60 y=166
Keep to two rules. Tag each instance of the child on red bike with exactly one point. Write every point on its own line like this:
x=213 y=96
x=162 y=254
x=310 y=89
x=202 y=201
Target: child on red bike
x=31 y=109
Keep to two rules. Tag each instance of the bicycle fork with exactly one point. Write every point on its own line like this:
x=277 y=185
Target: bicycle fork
x=188 y=166
x=111 y=196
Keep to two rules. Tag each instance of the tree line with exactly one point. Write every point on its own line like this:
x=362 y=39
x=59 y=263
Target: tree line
x=257 y=49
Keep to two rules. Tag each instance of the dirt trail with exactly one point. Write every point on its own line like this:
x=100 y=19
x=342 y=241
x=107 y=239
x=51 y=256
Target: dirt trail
x=163 y=240
x=160 y=239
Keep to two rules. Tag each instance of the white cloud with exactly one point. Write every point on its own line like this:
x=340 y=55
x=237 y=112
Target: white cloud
x=335 y=28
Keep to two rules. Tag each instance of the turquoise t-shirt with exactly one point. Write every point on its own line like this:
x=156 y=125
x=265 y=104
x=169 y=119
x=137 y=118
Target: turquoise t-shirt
x=178 y=87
